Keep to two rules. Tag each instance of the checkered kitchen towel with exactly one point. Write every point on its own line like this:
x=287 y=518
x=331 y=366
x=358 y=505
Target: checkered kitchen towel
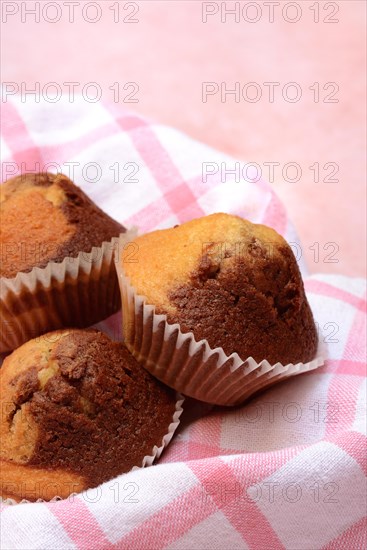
x=286 y=470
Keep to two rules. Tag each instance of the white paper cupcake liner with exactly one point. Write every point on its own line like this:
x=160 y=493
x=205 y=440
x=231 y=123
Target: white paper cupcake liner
x=76 y=292
x=193 y=367
x=147 y=461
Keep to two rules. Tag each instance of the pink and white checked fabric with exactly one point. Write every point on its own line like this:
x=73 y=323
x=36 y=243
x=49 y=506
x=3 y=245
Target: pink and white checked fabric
x=286 y=470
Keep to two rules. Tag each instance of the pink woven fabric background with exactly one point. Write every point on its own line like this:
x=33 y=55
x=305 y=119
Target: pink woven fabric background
x=285 y=470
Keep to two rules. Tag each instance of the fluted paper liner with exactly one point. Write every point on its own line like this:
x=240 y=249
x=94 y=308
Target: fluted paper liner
x=193 y=367
x=76 y=292
x=146 y=461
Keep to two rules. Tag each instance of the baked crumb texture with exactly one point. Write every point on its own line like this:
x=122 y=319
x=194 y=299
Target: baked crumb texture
x=231 y=282
x=77 y=410
x=45 y=217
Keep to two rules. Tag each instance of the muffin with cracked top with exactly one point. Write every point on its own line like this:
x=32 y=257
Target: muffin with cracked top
x=56 y=254
x=45 y=217
x=231 y=282
x=77 y=410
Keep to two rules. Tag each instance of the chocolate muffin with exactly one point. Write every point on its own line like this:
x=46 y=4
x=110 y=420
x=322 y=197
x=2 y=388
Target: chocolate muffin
x=44 y=218
x=77 y=410
x=231 y=282
x=56 y=255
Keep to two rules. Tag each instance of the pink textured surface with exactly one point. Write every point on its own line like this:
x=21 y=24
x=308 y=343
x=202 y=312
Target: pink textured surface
x=170 y=52
x=285 y=470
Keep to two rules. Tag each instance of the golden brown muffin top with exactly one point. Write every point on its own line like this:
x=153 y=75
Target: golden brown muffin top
x=231 y=282
x=77 y=402
x=45 y=217
x=167 y=258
